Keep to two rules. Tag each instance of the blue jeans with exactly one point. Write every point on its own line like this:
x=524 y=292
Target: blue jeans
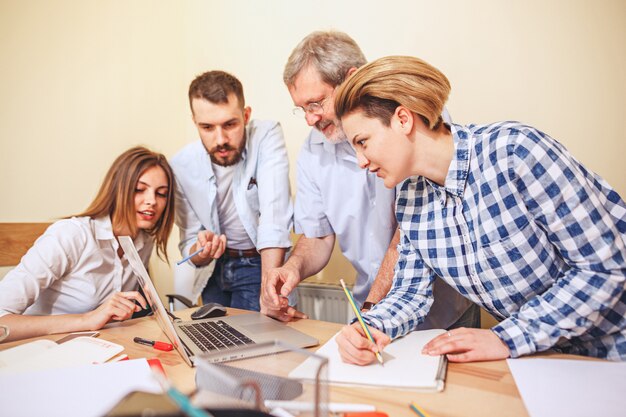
x=236 y=282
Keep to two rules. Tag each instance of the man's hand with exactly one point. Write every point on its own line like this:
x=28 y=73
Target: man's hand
x=213 y=246
x=277 y=284
x=356 y=348
x=120 y=306
x=468 y=345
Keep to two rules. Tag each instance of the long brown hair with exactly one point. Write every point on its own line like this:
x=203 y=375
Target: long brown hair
x=116 y=195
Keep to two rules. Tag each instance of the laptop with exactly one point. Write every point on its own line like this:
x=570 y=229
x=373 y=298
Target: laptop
x=223 y=338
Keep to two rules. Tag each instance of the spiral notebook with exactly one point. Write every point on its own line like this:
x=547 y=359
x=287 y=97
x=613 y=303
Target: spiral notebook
x=405 y=367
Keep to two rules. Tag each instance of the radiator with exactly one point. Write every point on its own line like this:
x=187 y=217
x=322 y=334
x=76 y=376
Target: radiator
x=324 y=302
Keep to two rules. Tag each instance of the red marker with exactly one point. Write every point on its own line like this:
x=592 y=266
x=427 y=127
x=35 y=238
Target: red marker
x=154 y=343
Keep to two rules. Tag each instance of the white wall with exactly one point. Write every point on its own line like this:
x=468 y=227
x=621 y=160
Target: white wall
x=83 y=80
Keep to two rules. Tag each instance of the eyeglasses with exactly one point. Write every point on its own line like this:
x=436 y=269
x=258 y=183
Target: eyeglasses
x=316 y=107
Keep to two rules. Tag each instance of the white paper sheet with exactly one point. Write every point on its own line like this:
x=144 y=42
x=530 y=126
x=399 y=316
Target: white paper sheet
x=563 y=387
x=46 y=354
x=84 y=391
x=405 y=366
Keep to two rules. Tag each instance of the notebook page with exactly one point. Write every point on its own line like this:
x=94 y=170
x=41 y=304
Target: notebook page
x=405 y=366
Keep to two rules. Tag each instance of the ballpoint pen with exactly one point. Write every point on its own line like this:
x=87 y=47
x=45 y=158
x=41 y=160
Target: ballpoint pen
x=360 y=318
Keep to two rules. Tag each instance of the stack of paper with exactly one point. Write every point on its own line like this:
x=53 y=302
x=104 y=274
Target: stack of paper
x=85 y=391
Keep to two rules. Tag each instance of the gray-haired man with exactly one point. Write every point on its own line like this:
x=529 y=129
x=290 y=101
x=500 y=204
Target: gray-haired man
x=336 y=199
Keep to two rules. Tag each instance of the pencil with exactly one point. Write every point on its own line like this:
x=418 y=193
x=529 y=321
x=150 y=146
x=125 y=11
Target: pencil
x=418 y=410
x=360 y=318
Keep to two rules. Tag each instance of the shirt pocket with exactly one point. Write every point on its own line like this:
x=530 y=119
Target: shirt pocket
x=252 y=198
x=517 y=266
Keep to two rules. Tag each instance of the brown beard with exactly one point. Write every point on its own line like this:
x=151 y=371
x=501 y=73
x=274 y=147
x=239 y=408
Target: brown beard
x=233 y=159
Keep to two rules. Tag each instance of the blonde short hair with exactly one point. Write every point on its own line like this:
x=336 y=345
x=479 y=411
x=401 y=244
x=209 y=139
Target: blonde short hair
x=379 y=87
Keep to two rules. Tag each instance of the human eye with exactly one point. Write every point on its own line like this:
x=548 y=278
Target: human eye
x=314 y=107
x=208 y=128
x=230 y=125
x=162 y=193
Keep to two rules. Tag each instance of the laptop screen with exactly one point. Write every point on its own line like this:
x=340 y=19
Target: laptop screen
x=152 y=296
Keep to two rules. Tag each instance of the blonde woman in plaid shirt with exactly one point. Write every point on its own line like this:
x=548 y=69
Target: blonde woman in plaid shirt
x=502 y=212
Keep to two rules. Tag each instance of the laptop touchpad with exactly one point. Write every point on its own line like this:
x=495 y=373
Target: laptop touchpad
x=264 y=327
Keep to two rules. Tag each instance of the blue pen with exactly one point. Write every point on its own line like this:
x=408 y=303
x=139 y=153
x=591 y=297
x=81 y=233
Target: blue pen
x=189 y=257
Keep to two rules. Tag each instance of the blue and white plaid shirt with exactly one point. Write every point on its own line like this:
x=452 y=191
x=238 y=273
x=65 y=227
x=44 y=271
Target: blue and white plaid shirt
x=524 y=230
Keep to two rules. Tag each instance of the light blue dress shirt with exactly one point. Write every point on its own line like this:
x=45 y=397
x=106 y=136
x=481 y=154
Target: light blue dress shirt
x=336 y=196
x=260 y=187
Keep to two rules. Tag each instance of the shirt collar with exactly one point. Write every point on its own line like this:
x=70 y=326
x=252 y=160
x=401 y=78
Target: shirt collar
x=103 y=230
x=342 y=149
x=459 y=166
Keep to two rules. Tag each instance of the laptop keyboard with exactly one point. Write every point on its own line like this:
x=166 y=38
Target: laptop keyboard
x=215 y=335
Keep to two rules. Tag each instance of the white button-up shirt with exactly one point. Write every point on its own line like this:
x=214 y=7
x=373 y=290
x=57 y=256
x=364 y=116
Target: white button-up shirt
x=260 y=189
x=71 y=269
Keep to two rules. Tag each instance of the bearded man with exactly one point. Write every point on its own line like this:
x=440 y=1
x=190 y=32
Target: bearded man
x=233 y=200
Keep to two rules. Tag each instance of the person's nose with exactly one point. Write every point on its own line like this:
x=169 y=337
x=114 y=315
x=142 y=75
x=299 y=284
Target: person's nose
x=221 y=137
x=362 y=160
x=149 y=198
x=312 y=118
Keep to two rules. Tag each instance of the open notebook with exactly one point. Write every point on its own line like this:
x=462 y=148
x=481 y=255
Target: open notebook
x=46 y=354
x=405 y=367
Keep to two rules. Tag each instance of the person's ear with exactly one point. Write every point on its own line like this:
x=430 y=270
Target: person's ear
x=403 y=119
x=193 y=115
x=247 y=111
x=351 y=71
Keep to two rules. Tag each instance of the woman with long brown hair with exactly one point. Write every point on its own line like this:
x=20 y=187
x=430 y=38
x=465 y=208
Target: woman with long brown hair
x=76 y=277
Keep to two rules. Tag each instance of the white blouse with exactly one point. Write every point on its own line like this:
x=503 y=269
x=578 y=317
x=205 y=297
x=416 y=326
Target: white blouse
x=71 y=269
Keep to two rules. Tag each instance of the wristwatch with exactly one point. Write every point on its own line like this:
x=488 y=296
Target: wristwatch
x=367 y=306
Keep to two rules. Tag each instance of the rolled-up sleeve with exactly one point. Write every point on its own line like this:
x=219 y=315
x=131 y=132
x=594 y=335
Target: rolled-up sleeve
x=188 y=223
x=274 y=193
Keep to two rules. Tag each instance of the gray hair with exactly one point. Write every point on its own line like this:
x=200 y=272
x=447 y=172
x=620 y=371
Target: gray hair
x=332 y=53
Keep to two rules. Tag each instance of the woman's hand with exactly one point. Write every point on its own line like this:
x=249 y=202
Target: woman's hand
x=468 y=345
x=120 y=306
x=355 y=347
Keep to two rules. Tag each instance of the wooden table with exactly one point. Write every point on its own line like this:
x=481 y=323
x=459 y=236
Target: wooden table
x=475 y=389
